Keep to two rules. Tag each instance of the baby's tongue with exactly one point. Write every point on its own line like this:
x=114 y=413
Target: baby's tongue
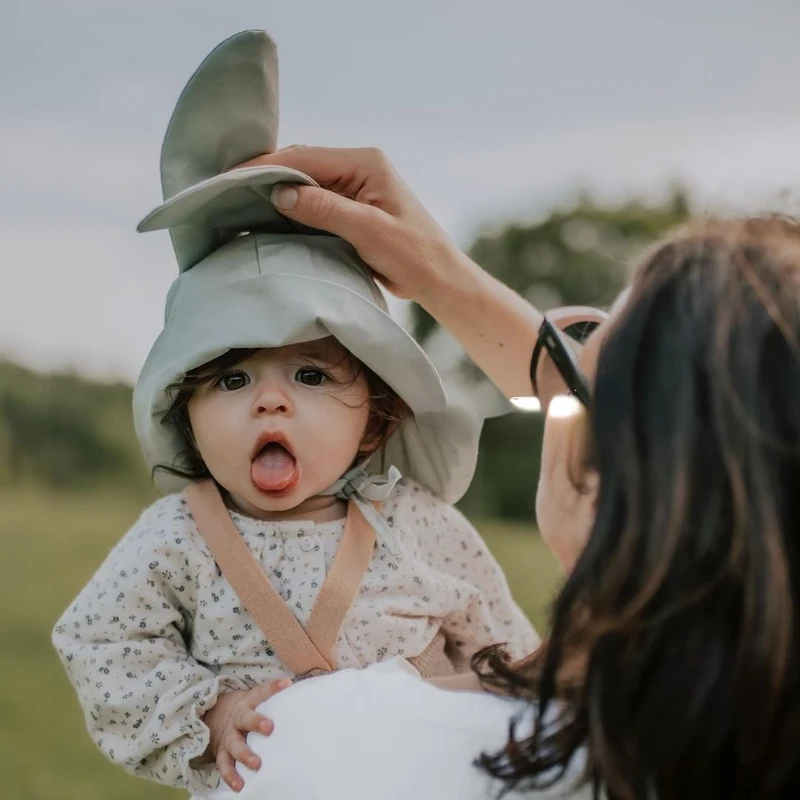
x=273 y=469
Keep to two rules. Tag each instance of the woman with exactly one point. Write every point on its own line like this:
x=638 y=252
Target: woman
x=672 y=663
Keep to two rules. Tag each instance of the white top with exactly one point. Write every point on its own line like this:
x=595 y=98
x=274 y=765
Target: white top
x=158 y=631
x=381 y=733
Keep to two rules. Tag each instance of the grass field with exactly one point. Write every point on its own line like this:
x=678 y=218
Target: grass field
x=52 y=544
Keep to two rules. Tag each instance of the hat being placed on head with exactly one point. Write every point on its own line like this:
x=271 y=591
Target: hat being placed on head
x=250 y=278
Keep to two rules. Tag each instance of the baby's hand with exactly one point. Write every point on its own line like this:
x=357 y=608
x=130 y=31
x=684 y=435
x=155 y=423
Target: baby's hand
x=230 y=720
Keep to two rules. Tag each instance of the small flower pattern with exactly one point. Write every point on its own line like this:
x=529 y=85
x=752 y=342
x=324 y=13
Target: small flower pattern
x=159 y=633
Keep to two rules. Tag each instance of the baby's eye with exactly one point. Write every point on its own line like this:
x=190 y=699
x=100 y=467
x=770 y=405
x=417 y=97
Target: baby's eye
x=231 y=381
x=310 y=377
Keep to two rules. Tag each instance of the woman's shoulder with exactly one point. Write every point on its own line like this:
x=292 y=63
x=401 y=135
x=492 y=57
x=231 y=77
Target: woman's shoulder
x=404 y=738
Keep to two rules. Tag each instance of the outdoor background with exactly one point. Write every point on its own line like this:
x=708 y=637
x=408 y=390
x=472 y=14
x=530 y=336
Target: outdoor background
x=554 y=139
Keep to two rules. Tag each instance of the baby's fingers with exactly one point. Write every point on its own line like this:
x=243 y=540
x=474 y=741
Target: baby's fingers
x=226 y=767
x=259 y=694
x=248 y=720
x=237 y=747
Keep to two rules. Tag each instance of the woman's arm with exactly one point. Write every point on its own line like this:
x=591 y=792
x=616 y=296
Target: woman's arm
x=366 y=202
x=495 y=326
x=465 y=682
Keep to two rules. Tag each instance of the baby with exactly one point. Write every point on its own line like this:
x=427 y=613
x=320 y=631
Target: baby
x=311 y=453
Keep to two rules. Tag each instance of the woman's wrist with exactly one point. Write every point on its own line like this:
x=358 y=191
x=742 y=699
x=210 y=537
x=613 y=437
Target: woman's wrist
x=448 y=276
x=463 y=682
x=495 y=326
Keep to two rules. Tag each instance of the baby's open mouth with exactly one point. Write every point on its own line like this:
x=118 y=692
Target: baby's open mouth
x=274 y=468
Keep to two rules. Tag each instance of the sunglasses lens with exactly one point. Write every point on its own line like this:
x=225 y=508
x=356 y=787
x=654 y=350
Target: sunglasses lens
x=580 y=331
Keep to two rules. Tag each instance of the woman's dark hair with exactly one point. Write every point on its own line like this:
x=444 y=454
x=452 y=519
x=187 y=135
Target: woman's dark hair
x=673 y=658
x=387 y=409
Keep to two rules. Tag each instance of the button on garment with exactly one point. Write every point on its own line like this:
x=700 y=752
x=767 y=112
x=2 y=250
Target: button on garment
x=295 y=562
x=308 y=543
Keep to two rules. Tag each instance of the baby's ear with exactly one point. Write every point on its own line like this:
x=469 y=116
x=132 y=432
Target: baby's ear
x=370 y=444
x=382 y=425
x=377 y=433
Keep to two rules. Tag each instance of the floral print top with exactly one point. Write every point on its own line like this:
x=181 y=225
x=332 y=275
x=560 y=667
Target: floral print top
x=158 y=632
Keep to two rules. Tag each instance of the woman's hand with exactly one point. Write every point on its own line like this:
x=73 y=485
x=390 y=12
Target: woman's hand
x=365 y=201
x=230 y=720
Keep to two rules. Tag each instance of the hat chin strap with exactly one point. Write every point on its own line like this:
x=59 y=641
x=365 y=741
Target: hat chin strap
x=364 y=490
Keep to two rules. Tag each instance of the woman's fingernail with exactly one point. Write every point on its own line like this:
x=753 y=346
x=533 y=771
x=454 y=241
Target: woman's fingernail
x=284 y=197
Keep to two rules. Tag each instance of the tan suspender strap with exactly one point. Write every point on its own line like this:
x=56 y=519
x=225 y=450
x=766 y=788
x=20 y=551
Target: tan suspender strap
x=342 y=583
x=301 y=651
x=284 y=633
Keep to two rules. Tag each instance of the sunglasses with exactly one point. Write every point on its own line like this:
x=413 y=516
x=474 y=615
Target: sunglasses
x=560 y=330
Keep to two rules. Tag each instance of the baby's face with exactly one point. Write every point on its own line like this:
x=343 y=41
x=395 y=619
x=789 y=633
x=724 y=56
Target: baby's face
x=282 y=426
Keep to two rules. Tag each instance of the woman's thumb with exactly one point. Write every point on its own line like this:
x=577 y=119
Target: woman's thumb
x=321 y=208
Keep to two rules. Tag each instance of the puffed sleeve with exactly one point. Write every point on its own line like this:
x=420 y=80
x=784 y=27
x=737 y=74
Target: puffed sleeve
x=124 y=644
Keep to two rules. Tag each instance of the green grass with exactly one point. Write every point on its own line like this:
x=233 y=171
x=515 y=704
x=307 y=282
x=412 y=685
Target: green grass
x=52 y=544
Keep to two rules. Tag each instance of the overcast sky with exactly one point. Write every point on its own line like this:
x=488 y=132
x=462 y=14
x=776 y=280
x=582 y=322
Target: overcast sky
x=491 y=110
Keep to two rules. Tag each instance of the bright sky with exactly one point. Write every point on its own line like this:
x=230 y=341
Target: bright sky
x=491 y=110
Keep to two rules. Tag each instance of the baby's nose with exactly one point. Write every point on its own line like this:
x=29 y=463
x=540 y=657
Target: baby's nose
x=272 y=399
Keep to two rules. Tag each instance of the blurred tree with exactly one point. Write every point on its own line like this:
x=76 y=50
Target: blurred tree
x=65 y=431
x=579 y=256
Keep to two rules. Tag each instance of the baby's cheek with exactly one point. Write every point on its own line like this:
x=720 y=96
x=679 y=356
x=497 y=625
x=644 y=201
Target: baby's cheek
x=348 y=430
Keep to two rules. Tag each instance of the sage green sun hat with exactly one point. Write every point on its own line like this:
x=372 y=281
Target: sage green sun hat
x=250 y=278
